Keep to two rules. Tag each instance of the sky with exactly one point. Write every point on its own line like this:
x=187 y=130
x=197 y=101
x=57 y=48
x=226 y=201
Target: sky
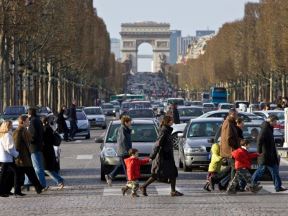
x=185 y=15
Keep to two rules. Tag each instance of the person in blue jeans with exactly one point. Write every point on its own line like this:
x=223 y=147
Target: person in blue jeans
x=124 y=145
x=269 y=156
x=36 y=145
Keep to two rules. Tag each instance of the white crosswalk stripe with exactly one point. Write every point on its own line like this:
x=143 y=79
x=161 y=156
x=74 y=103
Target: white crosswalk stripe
x=84 y=157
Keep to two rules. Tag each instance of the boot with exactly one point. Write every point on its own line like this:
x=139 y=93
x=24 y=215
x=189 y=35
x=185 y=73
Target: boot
x=124 y=190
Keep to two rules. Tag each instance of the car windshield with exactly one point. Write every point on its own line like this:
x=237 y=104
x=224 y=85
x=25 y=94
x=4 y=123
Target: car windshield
x=208 y=105
x=190 y=112
x=140 y=105
x=179 y=102
x=140 y=133
x=81 y=116
x=43 y=110
x=203 y=129
x=141 y=113
x=93 y=111
x=14 y=111
x=108 y=106
x=280 y=115
x=227 y=106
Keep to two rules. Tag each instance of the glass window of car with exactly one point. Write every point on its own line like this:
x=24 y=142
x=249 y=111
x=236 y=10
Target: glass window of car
x=190 y=111
x=203 y=129
x=280 y=115
x=93 y=111
x=14 y=110
x=140 y=133
x=108 y=106
x=138 y=113
x=227 y=106
x=81 y=116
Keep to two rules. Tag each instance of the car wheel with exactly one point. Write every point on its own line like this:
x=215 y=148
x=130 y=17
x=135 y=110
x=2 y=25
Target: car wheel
x=185 y=168
x=88 y=136
x=103 y=172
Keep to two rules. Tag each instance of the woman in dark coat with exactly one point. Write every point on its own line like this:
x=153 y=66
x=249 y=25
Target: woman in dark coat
x=61 y=121
x=163 y=164
x=49 y=154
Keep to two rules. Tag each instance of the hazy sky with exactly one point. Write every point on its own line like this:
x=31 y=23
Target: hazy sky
x=185 y=15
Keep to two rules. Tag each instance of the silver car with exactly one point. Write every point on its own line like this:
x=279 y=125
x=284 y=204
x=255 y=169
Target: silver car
x=95 y=116
x=144 y=135
x=82 y=124
x=195 y=144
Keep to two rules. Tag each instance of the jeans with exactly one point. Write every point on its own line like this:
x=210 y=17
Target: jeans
x=37 y=161
x=55 y=176
x=273 y=169
x=118 y=168
x=31 y=175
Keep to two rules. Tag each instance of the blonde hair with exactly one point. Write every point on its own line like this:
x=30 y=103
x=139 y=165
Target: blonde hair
x=125 y=119
x=5 y=127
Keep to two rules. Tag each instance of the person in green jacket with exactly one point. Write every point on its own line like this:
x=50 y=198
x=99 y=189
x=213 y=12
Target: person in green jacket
x=214 y=166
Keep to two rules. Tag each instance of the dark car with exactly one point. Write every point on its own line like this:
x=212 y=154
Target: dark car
x=187 y=113
x=13 y=112
x=108 y=109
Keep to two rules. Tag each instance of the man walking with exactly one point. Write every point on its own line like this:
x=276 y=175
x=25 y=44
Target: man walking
x=73 y=120
x=269 y=156
x=176 y=117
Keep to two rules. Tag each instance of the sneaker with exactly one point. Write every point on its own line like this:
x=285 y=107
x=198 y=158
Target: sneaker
x=4 y=195
x=124 y=190
x=60 y=186
x=281 y=189
x=45 y=189
x=255 y=189
x=108 y=180
x=176 y=193
x=143 y=190
x=134 y=195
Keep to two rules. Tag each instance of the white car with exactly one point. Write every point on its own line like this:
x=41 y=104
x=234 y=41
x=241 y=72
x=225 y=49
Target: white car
x=96 y=116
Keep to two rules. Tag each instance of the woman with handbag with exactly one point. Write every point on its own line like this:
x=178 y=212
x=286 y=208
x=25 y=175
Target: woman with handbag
x=22 y=139
x=163 y=164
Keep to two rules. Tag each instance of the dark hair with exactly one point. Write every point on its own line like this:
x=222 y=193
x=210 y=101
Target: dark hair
x=232 y=110
x=244 y=142
x=32 y=111
x=165 y=121
x=239 y=120
x=272 y=118
x=22 y=119
x=45 y=120
x=132 y=151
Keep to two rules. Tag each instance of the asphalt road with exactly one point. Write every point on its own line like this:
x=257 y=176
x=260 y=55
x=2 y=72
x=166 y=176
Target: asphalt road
x=85 y=194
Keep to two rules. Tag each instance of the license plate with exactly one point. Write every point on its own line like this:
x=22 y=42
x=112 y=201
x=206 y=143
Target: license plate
x=254 y=166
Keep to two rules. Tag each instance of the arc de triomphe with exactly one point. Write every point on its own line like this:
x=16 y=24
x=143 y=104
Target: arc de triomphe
x=134 y=34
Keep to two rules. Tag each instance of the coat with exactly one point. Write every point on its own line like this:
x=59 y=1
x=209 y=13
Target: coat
x=229 y=137
x=36 y=131
x=133 y=165
x=163 y=164
x=123 y=140
x=61 y=121
x=176 y=116
x=22 y=139
x=48 y=149
x=266 y=146
x=215 y=163
x=243 y=158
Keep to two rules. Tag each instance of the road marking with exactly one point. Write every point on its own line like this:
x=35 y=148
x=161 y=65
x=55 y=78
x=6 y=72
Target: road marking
x=78 y=141
x=284 y=161
x=112 y=192
x=271 y=189
x=84 y=157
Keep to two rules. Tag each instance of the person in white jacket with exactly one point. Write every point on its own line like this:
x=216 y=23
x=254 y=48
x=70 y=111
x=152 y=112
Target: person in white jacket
x=8 y=154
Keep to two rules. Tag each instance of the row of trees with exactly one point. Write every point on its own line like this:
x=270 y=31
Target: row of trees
x=248 y=56
x=52 y=51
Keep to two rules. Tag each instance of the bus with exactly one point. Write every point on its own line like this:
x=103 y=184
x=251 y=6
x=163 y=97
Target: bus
x=122 y=97
x=218 y=95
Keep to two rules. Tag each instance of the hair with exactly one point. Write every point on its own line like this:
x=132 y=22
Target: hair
x=125 y=119
x=132 y=152
x=165 y=121
x=239 y=120
x=22 y=119
x=232 y=110
x=45 y=120
x=244 y=142
x=5 y=127
x=272 y=118
x=32 y=111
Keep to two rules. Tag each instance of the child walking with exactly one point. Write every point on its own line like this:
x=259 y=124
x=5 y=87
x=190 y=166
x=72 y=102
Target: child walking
x=133 y=164
x=242 y=165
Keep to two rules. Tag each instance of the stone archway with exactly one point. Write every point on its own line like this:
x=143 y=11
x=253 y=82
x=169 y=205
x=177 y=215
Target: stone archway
x=134 y=34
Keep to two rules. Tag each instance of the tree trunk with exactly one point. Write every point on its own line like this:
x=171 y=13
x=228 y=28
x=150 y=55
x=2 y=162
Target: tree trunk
x=271 y=82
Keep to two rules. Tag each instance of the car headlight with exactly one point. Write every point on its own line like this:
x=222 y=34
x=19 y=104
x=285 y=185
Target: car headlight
x=109 y=152
x=189 y=150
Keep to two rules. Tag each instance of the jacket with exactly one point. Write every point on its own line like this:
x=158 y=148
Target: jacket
x=266 y=146
x=229 y=137
x=133 y=167
x=72 y=113
x=22 y=140
x=176 y=116
x=163 y=164
x=215 y=163
x=48 y=149
x=36 y=131
x=124 y=140
x=61 y=121
x=243 y=158
x=7 y=149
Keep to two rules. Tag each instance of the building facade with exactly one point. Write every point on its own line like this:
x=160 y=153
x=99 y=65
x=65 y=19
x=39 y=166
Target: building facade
x=175 y=34
x=115 y=48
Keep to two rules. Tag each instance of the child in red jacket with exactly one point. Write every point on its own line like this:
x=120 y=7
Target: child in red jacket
x=242 y=166
x=133 y=164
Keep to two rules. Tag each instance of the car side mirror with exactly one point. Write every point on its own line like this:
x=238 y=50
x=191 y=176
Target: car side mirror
x=180 y=135
x=99 y=139
x=212 y=140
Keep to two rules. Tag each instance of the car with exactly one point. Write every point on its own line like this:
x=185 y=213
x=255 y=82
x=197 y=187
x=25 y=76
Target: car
x=140 y=105
x=95 y=116
x=196 y=103
x=225 y=106
x=194 y=143
x=82 y=124
x=247 y=117
x=208 y=107
x=187 y=113
x=279 y=113
x=108 y=109
x=13 y=112
x=143 y=114
x=124 y=107
x=144 y=135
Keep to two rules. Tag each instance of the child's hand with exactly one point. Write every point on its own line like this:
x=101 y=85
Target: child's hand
x=150 y=159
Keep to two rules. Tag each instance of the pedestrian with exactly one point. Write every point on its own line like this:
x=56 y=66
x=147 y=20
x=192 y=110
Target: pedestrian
x=22 y=139
x=36 y=145
x=73 y=120
x=240 y=127
x=124 y=145
x=61 y=122
x=176 y=116
x=242 y=166
x=8 y=154
x=49 y=154
x=269 y=158
x=133 y=164
x=214 y=166
x=163 y=164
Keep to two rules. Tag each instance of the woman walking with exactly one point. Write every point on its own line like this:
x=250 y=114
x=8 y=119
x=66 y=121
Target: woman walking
x=61 y=121
x=22 y=139
x=49 y=154
x=163 y=164
x=8 y=153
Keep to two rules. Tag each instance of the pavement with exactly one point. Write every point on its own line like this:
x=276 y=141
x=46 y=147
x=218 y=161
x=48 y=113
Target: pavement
x=85 y=194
